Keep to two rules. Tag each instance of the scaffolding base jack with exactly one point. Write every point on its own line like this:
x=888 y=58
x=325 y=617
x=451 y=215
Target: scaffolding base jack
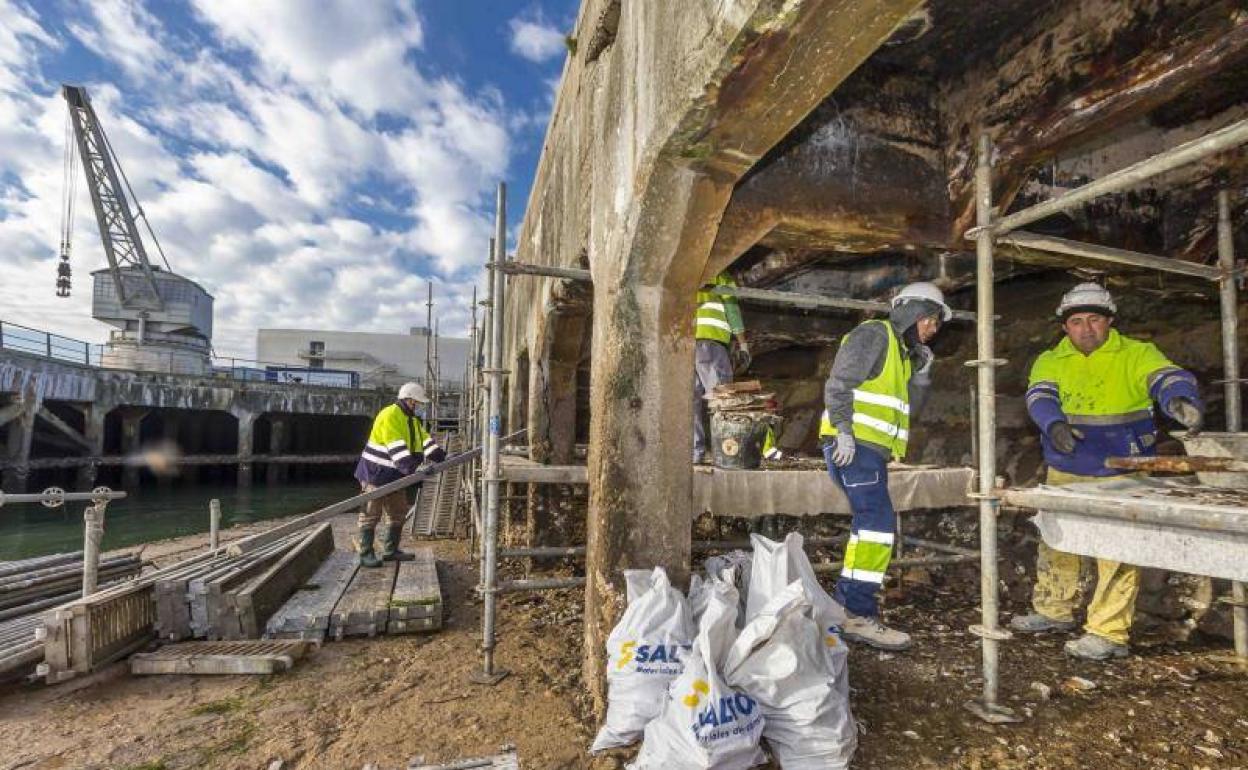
x=488 y=675
x=992 y=713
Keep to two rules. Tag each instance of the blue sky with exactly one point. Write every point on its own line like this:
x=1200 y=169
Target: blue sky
x=310 y=162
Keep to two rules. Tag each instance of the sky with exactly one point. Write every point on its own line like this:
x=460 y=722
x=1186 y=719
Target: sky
x=311 y=163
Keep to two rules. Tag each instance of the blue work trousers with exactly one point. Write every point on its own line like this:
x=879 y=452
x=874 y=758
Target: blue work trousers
x=870 y=546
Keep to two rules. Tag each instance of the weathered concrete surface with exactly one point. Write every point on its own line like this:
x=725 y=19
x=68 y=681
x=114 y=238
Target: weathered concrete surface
x=635 y=174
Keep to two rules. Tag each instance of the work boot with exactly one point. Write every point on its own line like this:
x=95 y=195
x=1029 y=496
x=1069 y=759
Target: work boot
x=390 y=549
x=365 y=547
x=1035 y=623
x=1093 y=647
x=873 y=633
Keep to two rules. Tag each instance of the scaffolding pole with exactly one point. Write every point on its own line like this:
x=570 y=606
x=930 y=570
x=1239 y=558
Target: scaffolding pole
x=489 y=543
x=987 y=708
x=1230 y=362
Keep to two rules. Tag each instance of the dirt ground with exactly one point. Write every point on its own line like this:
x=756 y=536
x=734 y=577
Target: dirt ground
x=387 y=700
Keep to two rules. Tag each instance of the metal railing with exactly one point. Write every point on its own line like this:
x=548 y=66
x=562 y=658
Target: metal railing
x=36 y=342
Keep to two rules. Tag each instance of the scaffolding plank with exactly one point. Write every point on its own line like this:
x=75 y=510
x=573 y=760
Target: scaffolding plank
x=364 y=607
x=221 y=658
x=416 y=604
x=306 y=614
x=264 y=596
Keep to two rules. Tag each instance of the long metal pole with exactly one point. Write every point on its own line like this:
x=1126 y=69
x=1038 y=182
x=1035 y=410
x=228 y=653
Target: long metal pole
x=1230 y=364
x=986 y=404
x=1055 y=245
x=1188 y=152
x=483 y=408
x=214 y=524
x=493 y=477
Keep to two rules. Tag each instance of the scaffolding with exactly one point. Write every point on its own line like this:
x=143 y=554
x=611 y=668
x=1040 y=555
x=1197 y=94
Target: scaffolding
x=991 y=230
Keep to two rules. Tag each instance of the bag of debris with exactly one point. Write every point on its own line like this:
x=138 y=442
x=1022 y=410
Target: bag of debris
x=783 y=660
x=776 y=565
x=704 y=723
x=645 y=652
x=736 y=564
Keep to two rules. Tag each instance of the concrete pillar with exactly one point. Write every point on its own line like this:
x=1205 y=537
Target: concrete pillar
x=246 y=433
x=21 y=435
x=93 y=429
x=275 y=474
x=170 y=434
x=131 y=420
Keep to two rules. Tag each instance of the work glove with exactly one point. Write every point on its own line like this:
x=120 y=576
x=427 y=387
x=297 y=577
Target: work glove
x=741 y=356
x=922 y=359
x=1063 y=437
x=436 y=455
x=844 y=451
x=1187 y=413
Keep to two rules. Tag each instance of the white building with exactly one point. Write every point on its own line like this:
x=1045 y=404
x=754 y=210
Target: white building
x=381 y=359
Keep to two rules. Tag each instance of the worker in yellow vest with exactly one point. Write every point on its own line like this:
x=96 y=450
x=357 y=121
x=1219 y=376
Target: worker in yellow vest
x=1092 y=397
x=716 y=324
x=878 y=382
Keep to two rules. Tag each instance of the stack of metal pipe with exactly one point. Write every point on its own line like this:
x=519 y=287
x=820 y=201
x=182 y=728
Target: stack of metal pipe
x=30 y=586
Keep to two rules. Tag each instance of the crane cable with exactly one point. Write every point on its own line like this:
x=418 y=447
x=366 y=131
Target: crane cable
x=69 y=190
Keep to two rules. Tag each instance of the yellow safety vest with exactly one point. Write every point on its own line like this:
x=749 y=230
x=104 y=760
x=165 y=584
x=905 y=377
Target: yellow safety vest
x=711 y=321
x=882 y=403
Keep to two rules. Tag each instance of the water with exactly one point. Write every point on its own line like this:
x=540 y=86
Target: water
x=154 y=514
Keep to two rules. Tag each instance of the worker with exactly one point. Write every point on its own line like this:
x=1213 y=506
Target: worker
x=717 y=325
x=879 y=380
x=1092 y=396
x=397 y=445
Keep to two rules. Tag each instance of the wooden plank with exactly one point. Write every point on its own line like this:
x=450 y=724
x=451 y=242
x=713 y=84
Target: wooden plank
x=364 y=607
x=519 y=471
x=267 y=593
x=416 y=603
x=221 y=658
x=306 y=614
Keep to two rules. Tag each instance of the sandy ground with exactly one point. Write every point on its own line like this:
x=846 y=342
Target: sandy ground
x=387 y=700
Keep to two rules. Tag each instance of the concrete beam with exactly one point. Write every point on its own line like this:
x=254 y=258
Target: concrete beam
x=10 y=412
x=65 y=428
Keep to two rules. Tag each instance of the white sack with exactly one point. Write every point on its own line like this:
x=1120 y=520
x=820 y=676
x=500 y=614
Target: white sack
x=645 y=652
x=790 y=666
x=704 y=723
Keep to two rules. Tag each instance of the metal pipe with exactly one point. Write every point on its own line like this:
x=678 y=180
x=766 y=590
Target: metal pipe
x=54 y=498
x=764 y=296
x=1052 y=243
x=1230 y=364
x=987 y=422
x=214 y=524
x=1188 y=152
x=1156 y=510
x=728 y=545
x=92 y=533
x=910 y=561
x=541 y=552
x=493 y=477
x=537 y=584
x=483 y=422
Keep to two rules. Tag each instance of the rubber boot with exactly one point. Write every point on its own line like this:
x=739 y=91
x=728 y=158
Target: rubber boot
x=390 y=550
x=365 y=545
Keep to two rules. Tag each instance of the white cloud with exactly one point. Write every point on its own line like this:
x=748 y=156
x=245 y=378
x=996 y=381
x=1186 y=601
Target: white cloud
x=254 y=165
x=536 y=40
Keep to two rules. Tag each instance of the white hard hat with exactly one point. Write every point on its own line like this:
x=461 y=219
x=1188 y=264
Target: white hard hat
x=414 y=391
x=1087 y=298
x=924 y=290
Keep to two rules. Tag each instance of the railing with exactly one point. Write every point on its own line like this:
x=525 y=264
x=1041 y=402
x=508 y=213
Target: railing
x=24 y=339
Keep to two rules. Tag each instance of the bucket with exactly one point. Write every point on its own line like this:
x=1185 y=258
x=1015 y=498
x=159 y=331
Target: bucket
x=1233 y=445
x=737 y=439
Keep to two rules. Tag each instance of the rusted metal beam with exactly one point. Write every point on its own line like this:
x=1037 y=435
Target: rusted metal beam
x=1178 y=464
x=1097 y=253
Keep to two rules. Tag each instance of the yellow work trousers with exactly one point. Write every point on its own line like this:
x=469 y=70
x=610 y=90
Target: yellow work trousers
x=1056 y=593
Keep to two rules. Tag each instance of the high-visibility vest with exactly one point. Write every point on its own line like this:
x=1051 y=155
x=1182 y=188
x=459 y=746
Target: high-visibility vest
x=882 y=403
x=396 y=445
x=711 y=321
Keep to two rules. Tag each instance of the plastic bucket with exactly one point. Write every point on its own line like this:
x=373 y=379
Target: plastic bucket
x=737 y=440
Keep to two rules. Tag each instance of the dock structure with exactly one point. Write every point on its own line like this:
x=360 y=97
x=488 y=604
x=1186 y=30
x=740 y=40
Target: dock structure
x=58 y=416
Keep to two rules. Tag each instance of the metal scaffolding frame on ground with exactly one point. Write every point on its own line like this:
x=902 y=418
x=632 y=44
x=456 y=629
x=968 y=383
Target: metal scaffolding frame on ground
x=990 y=230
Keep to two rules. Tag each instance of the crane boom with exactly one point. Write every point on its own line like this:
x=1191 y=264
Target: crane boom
x=118 y=228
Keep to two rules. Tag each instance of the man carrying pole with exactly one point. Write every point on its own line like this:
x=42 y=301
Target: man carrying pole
x=397 y=444
x=879 y=379
x=1092 y=398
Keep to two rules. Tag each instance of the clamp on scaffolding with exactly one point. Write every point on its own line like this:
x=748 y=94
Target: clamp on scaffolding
x=989 y=231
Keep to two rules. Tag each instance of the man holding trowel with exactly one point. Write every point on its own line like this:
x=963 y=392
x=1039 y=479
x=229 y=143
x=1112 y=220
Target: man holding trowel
x=879 y=379
x=1092 y=398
